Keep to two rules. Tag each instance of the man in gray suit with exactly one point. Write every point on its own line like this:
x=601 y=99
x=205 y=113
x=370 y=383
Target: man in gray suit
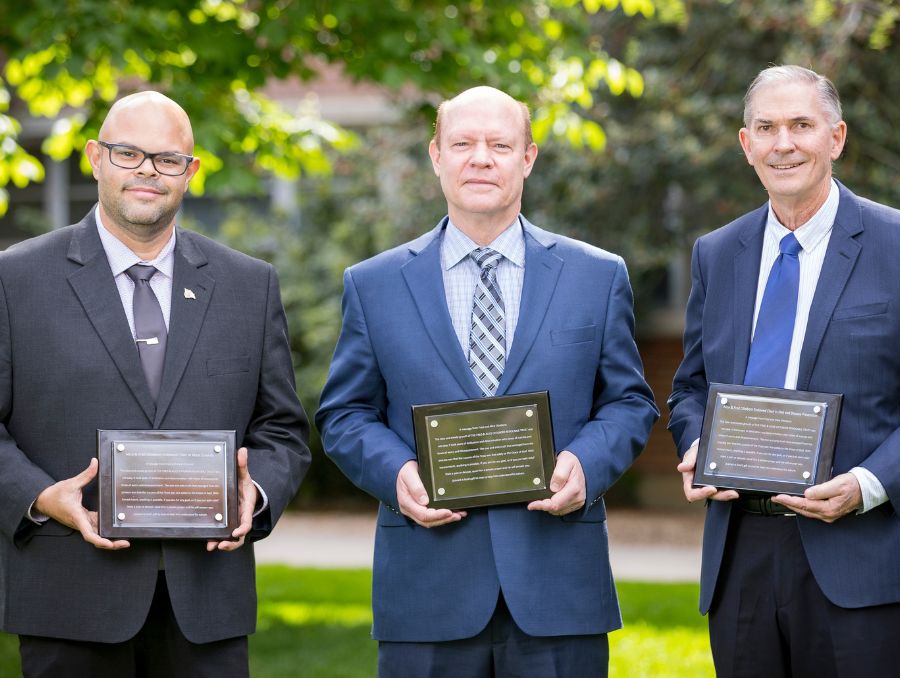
x=70 y=329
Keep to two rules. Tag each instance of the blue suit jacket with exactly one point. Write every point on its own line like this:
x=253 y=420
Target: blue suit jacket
x=397 y=349
x=852 y=346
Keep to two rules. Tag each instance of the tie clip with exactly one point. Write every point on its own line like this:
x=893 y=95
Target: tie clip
x=152 y=341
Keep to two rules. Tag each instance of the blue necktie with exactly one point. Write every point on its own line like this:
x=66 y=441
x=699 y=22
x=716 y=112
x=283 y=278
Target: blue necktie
x=771 y=345
x=487 y=341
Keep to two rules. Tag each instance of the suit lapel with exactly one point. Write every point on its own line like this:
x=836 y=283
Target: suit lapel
x=191 y=293
x=96 y=289
x=542 y=269
x=840 y=258
x=746 y=278
x=425 y=282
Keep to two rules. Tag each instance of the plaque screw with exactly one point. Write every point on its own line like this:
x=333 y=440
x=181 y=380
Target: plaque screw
x=218 y=516
x=434 y=423
x=121 y=516
x=529 y=413
x=724 y=401
x=441 y=491
x=817 y=409
x=217 y=448
x=536 y=481
x=120 y=447
x=713 y=465
x=806 y=475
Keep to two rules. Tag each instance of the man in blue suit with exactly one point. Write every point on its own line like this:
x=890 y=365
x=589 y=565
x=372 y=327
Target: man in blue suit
x=515 y=589
x=802 y=586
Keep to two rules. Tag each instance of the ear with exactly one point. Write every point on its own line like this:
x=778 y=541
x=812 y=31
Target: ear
x=435 y=154
x=531 y=154
x=191 y=171
x=838 y=139
x=744 y=138
x=93 y=151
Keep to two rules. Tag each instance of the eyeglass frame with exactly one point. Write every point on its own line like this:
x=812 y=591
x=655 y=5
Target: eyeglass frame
x=151 y=156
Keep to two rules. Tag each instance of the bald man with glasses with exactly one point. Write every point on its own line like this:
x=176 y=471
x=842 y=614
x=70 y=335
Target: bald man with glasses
x=127 y=321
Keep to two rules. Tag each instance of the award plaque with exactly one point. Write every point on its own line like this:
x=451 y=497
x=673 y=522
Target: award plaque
x=167 y=484
x=767 y=440
x=486 y=451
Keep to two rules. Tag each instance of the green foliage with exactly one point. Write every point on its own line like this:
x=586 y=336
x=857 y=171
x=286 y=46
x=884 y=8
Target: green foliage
x=215 y=57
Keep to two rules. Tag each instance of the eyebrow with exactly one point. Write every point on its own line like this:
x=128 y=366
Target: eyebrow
x=799 y=118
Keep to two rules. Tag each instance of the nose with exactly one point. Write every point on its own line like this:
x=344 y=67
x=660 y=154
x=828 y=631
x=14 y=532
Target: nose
x=481 y=155
x=146 y=167
x=784 y=141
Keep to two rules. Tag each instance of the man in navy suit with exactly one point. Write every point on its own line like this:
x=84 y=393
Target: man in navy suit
x=515 y=589
x=70 y=363
x=802 y=586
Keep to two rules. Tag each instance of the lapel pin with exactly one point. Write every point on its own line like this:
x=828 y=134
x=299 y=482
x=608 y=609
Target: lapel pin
x=189 y=294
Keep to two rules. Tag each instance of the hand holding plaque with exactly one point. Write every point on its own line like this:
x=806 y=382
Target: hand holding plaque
x=167 y=484
x=486 y=451
x=767 y=440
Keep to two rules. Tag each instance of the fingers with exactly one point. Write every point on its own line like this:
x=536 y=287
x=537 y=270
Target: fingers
x=87 y=475
x=827 y=501
x=568 y=486
x=412 y=500
x=86 y=523
x=242 y=464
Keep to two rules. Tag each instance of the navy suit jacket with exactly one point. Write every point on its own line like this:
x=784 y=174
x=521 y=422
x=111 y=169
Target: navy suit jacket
x=397 y=348
x=69 y=366
x=852 y=346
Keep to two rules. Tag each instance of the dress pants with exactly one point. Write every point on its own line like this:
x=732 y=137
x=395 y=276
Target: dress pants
x=159 y=650
x=770 y=619
x=501 y=650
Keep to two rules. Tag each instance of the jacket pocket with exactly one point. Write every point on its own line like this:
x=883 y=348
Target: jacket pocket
x=217 y=366
x=576 y=335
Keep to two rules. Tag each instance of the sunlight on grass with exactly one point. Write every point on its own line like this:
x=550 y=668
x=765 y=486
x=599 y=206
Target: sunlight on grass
x=295 y=613
x=645 y=651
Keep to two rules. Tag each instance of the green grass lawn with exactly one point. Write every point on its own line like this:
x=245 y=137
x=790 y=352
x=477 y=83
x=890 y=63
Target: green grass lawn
x=315 y=624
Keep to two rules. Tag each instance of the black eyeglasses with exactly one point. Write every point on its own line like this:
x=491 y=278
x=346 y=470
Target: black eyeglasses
x=129 y=157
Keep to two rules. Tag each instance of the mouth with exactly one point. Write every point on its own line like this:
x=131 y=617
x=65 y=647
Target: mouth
x=786 y=166
x=143 y=191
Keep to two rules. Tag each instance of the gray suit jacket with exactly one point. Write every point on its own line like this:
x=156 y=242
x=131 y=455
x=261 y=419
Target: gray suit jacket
x=69 y=366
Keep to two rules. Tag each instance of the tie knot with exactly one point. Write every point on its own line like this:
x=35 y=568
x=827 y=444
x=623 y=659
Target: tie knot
x=486 y=258
x=789 y=245
x=142 y=272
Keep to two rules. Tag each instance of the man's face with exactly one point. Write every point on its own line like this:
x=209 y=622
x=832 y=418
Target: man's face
x=791 y=142
x=141 y=201
x=482 y=160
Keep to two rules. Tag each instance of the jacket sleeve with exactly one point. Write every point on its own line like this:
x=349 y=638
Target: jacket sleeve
x=623 y=410
x=689 y=389
x=351 y=416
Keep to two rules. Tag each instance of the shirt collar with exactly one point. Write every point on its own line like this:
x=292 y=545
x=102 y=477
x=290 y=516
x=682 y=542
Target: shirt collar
x=121 y=258
x=810 y=234
x=456 y=245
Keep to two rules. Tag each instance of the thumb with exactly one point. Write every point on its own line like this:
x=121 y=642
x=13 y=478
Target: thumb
x=242 y=461
x=88 y=474
x=415 y=487
x=560 y=474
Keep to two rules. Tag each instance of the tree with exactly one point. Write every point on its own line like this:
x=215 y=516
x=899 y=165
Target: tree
x=69 y=60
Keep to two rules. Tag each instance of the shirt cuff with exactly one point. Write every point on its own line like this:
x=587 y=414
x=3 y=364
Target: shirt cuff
x=873 y=492
x=36 y=516
x=265 y=499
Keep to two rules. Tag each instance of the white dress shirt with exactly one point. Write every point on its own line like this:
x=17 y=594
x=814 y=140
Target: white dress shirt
x=813 y=237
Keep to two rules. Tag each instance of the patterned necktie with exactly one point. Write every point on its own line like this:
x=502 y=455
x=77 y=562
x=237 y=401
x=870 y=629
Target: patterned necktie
x=771 y=345
x=149 y=326
x=487 y=341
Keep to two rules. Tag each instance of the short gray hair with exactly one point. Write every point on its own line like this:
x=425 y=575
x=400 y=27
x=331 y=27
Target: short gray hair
x=828 y=94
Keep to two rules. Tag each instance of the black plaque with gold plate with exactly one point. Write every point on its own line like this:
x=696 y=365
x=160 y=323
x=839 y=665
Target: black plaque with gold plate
x=487 y=451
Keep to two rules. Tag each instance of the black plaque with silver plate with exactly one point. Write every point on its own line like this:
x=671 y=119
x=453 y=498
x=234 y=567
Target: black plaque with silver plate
x=767 y=440
x=486 y=451
x=167 y=484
